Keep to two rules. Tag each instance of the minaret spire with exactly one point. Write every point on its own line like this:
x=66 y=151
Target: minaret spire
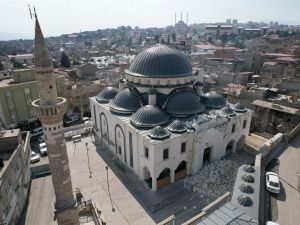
x=44 y=67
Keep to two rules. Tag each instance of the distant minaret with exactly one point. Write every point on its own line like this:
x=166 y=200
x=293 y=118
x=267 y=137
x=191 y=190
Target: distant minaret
x=175 y=18
x=181 y=16
x=187 y=18
x=50 y=110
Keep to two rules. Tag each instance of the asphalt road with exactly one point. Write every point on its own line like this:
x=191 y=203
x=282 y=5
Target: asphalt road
x=288 y=201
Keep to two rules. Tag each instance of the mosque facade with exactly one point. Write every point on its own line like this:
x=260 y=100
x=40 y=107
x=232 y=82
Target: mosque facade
x=161 y=125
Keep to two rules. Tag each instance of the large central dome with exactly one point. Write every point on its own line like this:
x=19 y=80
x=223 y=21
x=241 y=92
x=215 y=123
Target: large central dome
x=160 y=61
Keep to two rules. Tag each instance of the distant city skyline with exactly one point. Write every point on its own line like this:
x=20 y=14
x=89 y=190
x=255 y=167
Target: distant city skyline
x=72 y=16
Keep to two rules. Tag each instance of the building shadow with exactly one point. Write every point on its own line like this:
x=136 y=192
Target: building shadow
x=169 y=200
x=282 y=195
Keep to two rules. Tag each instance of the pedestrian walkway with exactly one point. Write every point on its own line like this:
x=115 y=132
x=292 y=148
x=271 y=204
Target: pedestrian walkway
x=131 y=198
x=117 y=204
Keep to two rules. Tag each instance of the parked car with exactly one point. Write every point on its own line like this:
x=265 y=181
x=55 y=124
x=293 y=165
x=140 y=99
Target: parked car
x=34 y=157
x=36 y=132
x=72 y=119
x=271 y=223
x=84 y=119
x=272 y=182
x=41 y=139
x=43 y=148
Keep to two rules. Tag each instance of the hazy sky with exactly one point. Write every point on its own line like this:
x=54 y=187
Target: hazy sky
x=67 y=16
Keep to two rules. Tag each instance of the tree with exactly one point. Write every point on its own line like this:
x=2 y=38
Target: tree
x=65 y=61
x=173 y=36
x=1 y=66
x=156 y=38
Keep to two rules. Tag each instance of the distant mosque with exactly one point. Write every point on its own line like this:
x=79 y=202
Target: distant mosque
x=160 y=124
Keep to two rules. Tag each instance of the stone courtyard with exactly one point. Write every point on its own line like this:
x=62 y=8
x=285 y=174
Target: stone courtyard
x=218 y=177
x=123 y=198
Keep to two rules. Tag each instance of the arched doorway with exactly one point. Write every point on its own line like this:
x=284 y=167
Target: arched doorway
x=164 y=178
x=104 y=127
x=147 y=177
x=241 y=142
x=120 y=143
x=229 y=148
x=180 y=171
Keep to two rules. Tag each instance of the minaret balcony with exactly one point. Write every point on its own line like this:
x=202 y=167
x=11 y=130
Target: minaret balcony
x=52 y=111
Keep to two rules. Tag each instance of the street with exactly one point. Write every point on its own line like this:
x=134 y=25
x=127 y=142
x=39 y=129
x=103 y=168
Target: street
x=288 y=201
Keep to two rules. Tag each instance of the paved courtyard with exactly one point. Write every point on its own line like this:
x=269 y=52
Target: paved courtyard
x=122 y=197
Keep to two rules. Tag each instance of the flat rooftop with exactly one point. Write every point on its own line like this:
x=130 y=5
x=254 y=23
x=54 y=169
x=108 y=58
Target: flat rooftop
x=276 y=107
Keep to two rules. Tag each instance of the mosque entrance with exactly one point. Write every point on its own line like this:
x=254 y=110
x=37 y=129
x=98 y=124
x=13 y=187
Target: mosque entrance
x=229 y=148
x=164 y=178
x=207 y=155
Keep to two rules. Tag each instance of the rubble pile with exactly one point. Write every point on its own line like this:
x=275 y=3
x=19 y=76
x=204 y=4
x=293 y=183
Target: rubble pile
x=215 y=178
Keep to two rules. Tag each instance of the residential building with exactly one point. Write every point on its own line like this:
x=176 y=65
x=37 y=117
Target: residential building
x=14 y=174
x=17 y=93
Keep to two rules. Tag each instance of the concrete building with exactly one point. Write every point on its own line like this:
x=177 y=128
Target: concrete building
x=160 y=125
x=50 y=110
x=78 y=94
x=27 y=59
x=17 y=93
x=14 y=174
x=86 y=71
x=219 y=29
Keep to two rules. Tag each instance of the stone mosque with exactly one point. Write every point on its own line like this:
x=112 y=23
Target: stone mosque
x=160 y=124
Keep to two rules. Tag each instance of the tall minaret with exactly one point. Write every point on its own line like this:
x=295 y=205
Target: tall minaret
x=50 y=110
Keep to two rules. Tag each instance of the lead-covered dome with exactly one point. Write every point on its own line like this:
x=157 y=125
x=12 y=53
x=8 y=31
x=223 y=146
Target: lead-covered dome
x=158 y=133
x=107 y=94
x=149 y=116
x=160 y=61
x=125 y=102
x=227 y=111
x=213 y=100
x=183 y=103
x=240 y=108
x=177 y=127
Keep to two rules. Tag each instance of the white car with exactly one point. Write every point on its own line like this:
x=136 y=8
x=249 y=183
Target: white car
x=271 y=223
x=272 y=182
x=43 y=148
x=34 y=157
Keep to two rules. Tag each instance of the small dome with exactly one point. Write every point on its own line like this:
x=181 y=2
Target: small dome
x=158 y=133
x=244 y=200
x=240 y=108
x=125 y=102
x=246 y=188
x=213 y=100
x=148 y=116
x=227 y=111
x=160 y=61
x=248 y=178
x=177 y=127
x=183 y=103
x=248 y=169
x=107 y=94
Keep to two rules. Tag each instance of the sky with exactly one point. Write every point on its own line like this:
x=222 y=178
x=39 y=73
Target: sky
x=68 y=16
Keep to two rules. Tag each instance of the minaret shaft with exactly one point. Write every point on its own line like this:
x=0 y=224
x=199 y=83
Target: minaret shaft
x=50 y=110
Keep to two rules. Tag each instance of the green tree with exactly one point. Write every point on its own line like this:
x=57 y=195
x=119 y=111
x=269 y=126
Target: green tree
x=156 y=38
x=1 y=66
x=173 y=36
x=65 y=61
